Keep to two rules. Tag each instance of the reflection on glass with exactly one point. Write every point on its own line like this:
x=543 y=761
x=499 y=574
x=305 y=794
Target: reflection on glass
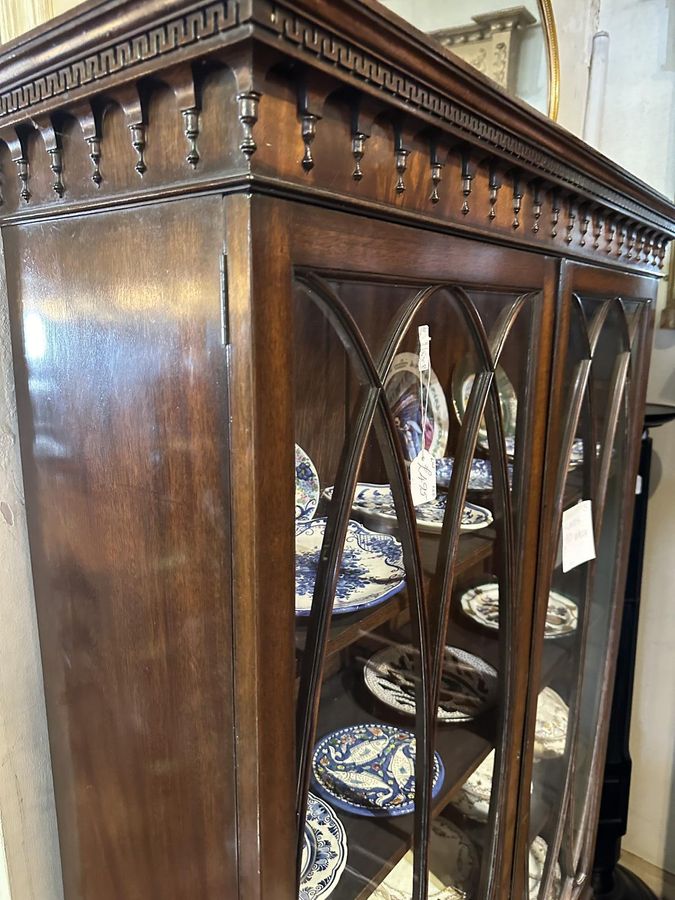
x=575 y=655
x=502 y=40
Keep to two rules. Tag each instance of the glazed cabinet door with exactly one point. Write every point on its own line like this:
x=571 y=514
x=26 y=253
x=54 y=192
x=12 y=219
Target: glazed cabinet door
x=598 y=389
x=420 y=389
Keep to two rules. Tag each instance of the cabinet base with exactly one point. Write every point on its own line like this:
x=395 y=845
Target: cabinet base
x=624 y=886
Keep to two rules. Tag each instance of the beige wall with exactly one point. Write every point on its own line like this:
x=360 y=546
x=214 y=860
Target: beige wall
x=638 y=130
x=30 y=868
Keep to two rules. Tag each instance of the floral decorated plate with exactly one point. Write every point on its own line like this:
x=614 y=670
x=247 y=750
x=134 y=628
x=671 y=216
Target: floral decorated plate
x=307 y=489
x=468 y=683
x=324 y=851
x=537 y=861
x=462 y=382
x=377 y=501
x=371 y=569
x=481 y=604
x=480 y=477
x=405 y=396
x=369 y=770
x=453 y=867
x=550 y=730
x=473 y=798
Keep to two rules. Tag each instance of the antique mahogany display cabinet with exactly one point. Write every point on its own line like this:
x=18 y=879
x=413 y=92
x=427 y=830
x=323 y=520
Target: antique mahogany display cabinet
x=266 y=671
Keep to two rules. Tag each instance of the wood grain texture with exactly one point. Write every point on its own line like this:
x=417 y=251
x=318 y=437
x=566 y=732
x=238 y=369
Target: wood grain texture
x=121 y=385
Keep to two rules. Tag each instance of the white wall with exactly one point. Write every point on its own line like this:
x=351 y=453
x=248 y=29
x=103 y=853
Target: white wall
x=638 y=131
x=29 y=859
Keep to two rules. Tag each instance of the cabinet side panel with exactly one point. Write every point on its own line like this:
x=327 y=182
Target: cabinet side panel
x=121 y=386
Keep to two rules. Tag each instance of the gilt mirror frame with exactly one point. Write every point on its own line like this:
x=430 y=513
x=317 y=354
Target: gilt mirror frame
x=490 y=42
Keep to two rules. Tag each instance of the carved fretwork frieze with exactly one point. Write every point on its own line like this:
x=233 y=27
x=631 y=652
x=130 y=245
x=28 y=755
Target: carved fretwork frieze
x=305 y=105
x=159 y=41
x=370 y=71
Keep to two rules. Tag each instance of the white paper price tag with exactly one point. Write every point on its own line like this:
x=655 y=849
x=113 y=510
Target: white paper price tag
x=423 y=478
x=578 y=543
x=424 y=362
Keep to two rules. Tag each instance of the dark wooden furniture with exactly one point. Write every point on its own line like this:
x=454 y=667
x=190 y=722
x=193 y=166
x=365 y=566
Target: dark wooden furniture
x=221 y=221
x=610 y=880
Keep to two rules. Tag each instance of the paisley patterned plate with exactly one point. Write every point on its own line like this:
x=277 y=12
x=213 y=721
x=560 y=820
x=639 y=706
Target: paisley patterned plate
x=371 y=570
x=453 y=867
x=370 y=770
x=307 y=488
x=481 y=604
x=402 y=388
x=550 y=730
x=376 y=500
x=468 y=683
x=324 y=851
x=537 y=861
x=480 y=477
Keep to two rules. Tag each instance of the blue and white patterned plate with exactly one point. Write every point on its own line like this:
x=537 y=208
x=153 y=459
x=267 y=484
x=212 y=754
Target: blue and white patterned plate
x=370 y=770
x=404 y=392
x=480 y=478
x=324 y=851
x=468 y=683
x=481 y=604
x=377 y=500
x=371 y=570
x=307 y=487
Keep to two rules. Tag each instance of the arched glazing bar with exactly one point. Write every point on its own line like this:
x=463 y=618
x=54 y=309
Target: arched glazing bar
x=484 y=400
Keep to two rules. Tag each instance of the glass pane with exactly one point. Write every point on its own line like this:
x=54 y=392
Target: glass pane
x=361 y=761
x=365 y=673
x=601 y=607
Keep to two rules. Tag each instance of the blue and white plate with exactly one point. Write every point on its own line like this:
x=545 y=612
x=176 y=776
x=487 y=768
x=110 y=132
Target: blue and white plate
x=480 y=478
x=324 y=851
x=468 y=684
x=407 y=395
x=307 y=487
x=370 y=770
x=377 y=501
x=481 y=604
x=371 y=570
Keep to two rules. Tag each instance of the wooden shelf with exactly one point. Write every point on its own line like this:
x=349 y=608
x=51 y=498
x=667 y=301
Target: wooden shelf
x=349 y=627
x=377 y=844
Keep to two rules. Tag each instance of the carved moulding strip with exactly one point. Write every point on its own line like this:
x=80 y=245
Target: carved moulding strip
x=207 y=27
x=317 y=43
x=16 y=142
x=194 y=26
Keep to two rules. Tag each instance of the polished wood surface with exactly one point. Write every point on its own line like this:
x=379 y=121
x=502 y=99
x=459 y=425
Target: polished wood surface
x=122 y=389
x=177 y=178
